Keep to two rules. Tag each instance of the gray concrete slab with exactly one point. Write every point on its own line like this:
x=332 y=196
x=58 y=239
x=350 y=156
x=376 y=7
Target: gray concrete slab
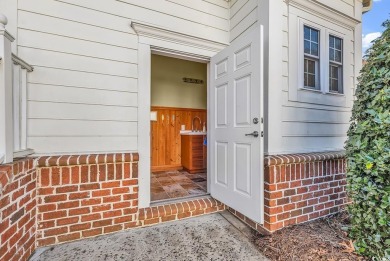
x=209 y=237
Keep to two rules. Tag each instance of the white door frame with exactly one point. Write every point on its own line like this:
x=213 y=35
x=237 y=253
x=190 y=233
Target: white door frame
x=153 y=40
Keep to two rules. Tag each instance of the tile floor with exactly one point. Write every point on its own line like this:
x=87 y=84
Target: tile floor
x=177 y=184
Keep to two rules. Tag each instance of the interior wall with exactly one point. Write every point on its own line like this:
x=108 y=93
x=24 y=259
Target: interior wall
x=168 y=87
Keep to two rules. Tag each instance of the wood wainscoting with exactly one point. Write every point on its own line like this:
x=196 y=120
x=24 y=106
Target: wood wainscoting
x=166 y=138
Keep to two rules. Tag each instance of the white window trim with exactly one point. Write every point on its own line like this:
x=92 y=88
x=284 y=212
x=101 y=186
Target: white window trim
x=329 y=33
x=297 y=92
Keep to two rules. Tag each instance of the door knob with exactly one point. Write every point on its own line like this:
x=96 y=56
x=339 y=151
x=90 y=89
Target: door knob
x=254 y=134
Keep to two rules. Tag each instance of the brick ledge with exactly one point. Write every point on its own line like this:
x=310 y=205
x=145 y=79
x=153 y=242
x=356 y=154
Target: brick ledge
x=86 y=159
x=304 y=157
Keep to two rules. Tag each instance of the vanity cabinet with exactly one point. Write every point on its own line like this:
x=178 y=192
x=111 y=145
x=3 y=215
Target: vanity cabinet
x=193 y=153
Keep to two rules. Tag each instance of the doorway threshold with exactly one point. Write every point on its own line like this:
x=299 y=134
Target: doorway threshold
x=178 y=200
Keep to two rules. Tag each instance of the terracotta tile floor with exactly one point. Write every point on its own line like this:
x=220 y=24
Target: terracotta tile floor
x=177 y=184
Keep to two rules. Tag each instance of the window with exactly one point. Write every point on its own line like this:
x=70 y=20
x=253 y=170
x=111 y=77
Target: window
x=335 y=64
x=312 y=58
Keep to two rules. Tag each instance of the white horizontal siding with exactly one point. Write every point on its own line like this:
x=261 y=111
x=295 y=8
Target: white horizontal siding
x=80 y=128
x=80 y=145
x=309 y=126
x=83 y=91
x=65 y=94
x=91 y=112
x=243 y=15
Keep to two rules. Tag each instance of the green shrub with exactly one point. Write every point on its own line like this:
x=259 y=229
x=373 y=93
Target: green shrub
x=368 y=152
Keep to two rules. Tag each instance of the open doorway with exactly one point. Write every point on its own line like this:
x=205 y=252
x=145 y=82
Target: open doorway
x=178 y=128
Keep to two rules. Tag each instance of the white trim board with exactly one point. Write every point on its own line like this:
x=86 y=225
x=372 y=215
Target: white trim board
x=159 y=33
x=165 y=42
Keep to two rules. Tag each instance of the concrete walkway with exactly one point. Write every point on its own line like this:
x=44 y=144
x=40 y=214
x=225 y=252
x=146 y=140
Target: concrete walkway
x=209 y=237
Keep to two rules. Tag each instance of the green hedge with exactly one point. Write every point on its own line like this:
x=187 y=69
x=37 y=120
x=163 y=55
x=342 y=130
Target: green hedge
x=368 y=152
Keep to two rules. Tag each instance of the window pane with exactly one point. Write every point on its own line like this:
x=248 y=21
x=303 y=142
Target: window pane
x=334 y=85
x=307 y=33
x=331 y=41
x=335 y=72
x=338 y=43
x=331 y=54
x=314 y=35
x=311 y=67
x=337 y=56
x=307 y=47
x=311 y=81
x=314 y=49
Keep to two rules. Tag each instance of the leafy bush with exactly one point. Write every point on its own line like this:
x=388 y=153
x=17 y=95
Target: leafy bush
x=368 y=152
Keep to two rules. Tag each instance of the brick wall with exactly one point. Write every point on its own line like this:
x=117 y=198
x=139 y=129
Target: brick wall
x=85 y=196
x=299 y=188
x=17 y=210
x=66 y=198
x=303 y=187
x=89 y=195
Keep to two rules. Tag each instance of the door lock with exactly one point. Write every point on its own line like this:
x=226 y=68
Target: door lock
x=256 y=120
x=254 y=134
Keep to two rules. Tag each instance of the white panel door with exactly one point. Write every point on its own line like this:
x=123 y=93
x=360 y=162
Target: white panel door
x=236 y=154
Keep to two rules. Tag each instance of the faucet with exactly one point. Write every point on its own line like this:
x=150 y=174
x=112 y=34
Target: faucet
x=193 y=120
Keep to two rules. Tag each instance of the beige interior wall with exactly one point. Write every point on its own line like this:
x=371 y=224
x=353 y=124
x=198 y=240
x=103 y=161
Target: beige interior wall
x=168 y=88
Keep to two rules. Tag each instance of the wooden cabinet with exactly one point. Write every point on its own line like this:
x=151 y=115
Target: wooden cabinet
x=166 y=138
x=193 y=153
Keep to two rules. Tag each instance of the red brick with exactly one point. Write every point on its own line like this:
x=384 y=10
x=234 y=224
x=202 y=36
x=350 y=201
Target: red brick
x=47 y=207
x=101 y=193
x=91 y=217
x=78 y=195
x=54 y=214
x=45 y=191
x=121 y=205
x=79 y=227
x=45 y=177
x=75 y=174
x=46 y=241
x=110 y=214
x=67 y=221
x=92 y=232
x=46 y=224
x=102 y=223
x=55 y=198
x=92 y=201
x=113 y=228
x=112 y=199
x=79 y=211
x=151 y=221
x=123 y=219
x=68 y=205
x=101 y=208
x=302 y=219
x=55 y=176
x=289 y=207
x=66 y=189
x=112 y=184
x=120 y=190
x=289 y=192
x=69 y=237
x=55 y=231
x=90 y=186
x=17 y=194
